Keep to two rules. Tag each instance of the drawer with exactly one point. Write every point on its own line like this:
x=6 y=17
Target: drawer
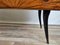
x=19 y=3
x=31 y=4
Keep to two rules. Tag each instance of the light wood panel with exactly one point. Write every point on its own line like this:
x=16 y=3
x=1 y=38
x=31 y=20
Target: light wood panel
x=28 y=34
x=31 y=4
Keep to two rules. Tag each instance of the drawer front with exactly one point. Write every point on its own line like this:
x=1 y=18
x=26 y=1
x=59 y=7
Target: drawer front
x=19 y=3
x=31 y=4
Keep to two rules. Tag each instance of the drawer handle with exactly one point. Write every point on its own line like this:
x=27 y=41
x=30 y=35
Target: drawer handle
x=46 y=0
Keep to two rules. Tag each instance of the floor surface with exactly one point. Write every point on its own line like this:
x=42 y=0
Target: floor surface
x=28 y=34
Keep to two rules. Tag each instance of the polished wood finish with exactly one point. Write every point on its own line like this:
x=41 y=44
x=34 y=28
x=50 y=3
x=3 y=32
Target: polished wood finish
x=31 y=4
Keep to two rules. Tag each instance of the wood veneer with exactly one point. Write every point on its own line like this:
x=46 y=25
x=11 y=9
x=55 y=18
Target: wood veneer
x=31 y=4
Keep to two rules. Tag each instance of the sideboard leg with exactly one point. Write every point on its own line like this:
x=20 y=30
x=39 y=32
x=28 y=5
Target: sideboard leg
x=45 y=20
x=39 y=15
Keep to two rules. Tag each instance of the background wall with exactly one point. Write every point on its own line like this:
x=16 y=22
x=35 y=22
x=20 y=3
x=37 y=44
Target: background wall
x=27 y=16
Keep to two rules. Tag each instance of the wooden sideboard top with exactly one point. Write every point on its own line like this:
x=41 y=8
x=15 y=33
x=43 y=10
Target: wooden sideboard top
x=31 y=4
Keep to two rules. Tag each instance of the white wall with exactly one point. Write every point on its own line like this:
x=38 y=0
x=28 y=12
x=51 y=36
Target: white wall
x=27 y=16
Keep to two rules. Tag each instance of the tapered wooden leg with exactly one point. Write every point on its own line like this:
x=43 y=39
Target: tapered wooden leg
x=45 y=20
x=39 y=15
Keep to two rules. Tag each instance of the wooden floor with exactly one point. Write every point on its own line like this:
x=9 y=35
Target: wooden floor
x=25 y=34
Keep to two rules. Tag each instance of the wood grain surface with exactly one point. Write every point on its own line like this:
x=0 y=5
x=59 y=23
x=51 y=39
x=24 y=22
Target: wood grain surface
x=31 y=4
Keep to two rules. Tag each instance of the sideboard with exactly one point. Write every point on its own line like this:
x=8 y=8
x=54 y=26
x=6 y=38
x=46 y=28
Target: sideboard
x=45 y=5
